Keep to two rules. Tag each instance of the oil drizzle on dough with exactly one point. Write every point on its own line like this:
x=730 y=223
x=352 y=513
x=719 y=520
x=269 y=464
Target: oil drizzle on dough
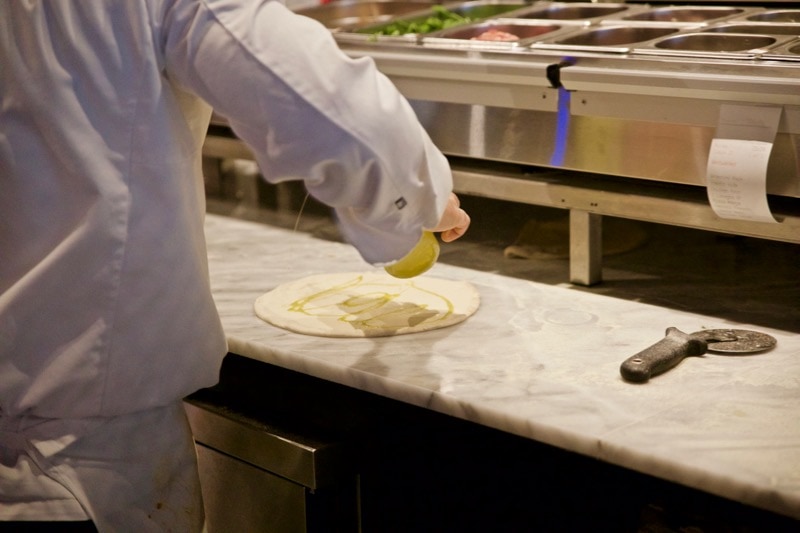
x=370 y=305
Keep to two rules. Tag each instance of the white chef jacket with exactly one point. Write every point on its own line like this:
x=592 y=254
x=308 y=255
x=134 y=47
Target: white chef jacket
x=106 y=315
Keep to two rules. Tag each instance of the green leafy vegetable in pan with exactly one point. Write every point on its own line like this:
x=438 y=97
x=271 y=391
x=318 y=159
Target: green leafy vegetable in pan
x=441 y=19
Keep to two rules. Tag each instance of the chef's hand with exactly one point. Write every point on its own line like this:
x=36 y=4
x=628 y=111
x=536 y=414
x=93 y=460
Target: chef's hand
x=454 y=221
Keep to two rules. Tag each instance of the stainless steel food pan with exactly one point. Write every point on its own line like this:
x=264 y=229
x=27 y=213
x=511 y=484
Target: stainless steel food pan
x=786 y=52
x=688 y=15
x=608 y=38
x=575 y=11
x=755 y=28
x=472 y=36
x=776 y=15
x=714 y=45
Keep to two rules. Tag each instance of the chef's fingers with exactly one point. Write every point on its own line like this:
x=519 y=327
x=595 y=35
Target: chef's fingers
x=455 y=233
x=454 y=221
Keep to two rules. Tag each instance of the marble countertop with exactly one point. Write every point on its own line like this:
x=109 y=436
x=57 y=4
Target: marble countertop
x=542 y=361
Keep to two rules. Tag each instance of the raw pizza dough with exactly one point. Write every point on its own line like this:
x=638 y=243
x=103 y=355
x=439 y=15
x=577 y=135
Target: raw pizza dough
x=367 y=304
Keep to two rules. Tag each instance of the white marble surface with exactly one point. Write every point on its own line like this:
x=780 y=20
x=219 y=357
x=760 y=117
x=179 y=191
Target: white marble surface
x=542 y=361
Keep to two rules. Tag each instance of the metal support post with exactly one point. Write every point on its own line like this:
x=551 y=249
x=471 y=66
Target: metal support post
x=585 y=247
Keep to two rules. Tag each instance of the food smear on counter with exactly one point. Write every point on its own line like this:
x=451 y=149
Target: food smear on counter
x=441 y=19
x=495 y=35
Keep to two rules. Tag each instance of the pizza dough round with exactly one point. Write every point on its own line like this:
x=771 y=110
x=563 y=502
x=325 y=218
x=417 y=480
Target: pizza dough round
x=367 y=304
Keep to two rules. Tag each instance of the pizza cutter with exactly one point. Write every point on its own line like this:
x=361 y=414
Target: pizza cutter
x=677 y=345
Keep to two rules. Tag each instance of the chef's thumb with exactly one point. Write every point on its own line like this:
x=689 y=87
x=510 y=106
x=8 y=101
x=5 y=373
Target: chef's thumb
x=454 y=222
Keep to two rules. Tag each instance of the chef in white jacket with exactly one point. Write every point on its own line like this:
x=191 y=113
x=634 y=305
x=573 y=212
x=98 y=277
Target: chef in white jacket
x=106 y=316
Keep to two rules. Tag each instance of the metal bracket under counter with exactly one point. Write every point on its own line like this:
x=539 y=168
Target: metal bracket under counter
x=588 y=197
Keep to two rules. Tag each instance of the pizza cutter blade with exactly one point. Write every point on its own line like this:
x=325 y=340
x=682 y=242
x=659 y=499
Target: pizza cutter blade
x=677 y=345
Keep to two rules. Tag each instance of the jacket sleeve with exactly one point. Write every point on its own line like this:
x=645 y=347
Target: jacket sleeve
x=311 y=113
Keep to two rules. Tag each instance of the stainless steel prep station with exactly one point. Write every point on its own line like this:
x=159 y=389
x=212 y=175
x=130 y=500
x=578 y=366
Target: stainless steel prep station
x=598 y=108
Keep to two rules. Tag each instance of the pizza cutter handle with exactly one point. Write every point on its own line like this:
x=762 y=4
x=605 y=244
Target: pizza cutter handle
x=662 y=356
